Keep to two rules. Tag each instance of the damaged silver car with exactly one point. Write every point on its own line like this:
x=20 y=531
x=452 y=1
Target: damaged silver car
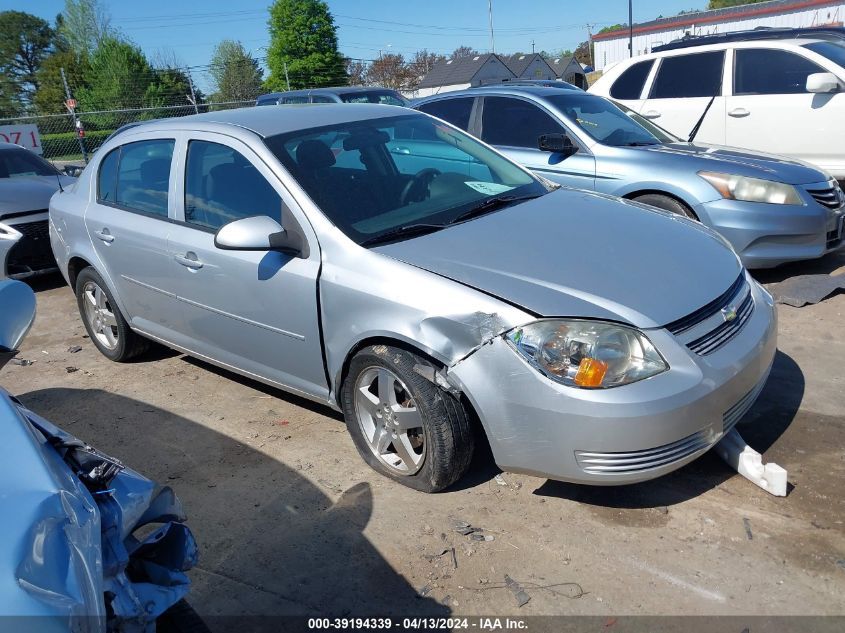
x=89 y=545
x=391 y=266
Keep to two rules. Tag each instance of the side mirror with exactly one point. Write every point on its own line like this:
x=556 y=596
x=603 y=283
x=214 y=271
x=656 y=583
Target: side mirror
x=823 y=83
x=260 y=233
x=17 y=313
x=72 y=170
x=556 y=143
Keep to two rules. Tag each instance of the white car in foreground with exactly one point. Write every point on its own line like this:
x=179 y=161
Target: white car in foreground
x=782 y=96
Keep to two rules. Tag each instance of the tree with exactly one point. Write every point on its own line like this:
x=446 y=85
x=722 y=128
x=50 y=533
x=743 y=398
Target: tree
x=51 y=96
x=356 y=71
x=388 y=70
x=236 y=74
x=422 y=62
x=463 y=51
x=120 y=77
x=303 y=37
x=84 y=25
x=25 y=43
x=721 y=4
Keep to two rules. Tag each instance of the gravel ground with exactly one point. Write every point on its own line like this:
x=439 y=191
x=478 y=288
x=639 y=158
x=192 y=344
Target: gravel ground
x=291 y=521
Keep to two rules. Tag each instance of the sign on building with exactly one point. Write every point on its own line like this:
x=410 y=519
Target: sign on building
x=25 y=134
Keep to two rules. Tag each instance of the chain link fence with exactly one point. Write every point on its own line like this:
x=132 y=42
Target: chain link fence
x=62 y=143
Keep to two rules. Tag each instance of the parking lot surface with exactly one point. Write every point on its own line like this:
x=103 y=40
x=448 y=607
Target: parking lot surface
x=291 y=521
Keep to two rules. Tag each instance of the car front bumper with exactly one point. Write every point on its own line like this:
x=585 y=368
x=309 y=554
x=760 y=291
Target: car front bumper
x=25 y=246
x=624 y=434
x=766 y=235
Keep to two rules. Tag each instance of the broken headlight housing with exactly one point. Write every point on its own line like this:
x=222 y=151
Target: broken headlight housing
x=587 y=354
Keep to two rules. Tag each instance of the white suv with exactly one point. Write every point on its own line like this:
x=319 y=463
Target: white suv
x=783 y=96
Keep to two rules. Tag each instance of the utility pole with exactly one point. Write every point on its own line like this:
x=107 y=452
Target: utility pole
x=630 y=28
x=193 y=97
x=532 y=47
x=590 y=45
x=490 y=13
x=70 y=104
x=287 y=79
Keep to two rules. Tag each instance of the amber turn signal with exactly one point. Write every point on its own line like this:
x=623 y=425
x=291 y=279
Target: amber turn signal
x=590 y=372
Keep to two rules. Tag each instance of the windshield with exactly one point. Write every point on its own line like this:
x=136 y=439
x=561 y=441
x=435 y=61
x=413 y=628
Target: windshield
x=602 y=120
x=664 y=136
x=18 y=162
x=376 y=177
x=834 y=51
x=386 y=97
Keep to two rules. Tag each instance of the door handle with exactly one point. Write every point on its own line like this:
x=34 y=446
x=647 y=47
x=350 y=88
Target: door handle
x=189 y=260
x=651 y=114
x=738 y=112
x=104 y=235
x=401 y=150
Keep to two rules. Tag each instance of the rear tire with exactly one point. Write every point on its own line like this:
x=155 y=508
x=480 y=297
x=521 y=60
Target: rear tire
x=403 y=425
x=106 y=326
x=666 y=203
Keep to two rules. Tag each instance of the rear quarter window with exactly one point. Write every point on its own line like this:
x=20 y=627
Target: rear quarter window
x=455 y=111
x=630 y=83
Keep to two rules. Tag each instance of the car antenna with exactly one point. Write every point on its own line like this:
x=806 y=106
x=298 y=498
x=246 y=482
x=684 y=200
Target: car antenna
x=59 y=180
x=700 y=120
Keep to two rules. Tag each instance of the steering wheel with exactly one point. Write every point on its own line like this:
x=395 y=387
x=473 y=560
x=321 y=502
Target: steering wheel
x=417 y=188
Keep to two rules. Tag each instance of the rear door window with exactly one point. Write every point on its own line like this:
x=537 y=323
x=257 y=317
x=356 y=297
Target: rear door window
x=143 y=176
x=682 y=76
x=766 y=71
x=455 y=111
x=630 y=83
x=515 y=123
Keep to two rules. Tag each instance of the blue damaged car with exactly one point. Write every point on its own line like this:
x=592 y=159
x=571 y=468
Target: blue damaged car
x=771 y=209
x=72 y=556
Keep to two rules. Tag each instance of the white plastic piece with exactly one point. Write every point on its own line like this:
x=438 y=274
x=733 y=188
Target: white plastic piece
x=749 y=463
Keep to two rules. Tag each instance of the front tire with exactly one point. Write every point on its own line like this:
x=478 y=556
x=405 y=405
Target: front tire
x=106 y=326
x=666 y=203
x=403 y=425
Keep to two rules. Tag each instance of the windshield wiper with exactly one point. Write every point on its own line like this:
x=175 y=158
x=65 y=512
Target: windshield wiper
x=490 y=204
x=640 y=144
x=406 y=230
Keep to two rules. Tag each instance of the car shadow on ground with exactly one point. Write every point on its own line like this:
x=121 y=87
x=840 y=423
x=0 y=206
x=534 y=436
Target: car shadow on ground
x=767 y=420
x=822 y=266
x=271 y=543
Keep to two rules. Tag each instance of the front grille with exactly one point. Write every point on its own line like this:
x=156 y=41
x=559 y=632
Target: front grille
x=827 y=197
x=735 y=413
x=702 y=314
x=724 y=332
x=639 y=461
x=32 y=253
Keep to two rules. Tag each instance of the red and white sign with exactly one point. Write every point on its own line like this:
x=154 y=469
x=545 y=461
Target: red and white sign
x=71 y=104
x=25 y=134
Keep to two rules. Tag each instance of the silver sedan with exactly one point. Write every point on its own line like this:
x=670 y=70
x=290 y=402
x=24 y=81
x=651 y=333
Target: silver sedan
x=390 y=266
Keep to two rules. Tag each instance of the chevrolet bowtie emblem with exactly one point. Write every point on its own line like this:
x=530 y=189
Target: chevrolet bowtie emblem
x=729 y=313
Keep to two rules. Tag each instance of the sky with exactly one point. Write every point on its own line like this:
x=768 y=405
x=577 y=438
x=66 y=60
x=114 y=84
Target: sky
x=190 y=29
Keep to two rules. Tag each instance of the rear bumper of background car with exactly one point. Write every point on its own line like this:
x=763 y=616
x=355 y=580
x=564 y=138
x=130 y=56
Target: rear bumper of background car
x=624 y=434
x=766 y=235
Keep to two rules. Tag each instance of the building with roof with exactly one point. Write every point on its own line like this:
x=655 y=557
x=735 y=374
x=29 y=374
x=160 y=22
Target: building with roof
x=612 y=47
x=464 y=72
x=569 y=70
x=529 y=66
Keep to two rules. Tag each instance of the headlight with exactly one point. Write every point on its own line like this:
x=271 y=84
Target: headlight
x=751 y=189
x=589 y=354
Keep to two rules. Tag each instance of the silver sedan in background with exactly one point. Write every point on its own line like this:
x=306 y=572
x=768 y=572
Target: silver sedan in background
x=596 y=340
x=26 y=183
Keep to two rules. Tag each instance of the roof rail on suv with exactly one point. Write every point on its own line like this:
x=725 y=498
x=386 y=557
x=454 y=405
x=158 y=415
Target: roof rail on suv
x=760 y=33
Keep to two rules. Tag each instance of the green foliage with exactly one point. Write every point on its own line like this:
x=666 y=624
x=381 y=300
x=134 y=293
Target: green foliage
x=84 y=24
x=303 y=36
x=120 y=77
x=722 y=4
x=25 y=42
x=66 y=144
x=50 y=97
x=236 y=74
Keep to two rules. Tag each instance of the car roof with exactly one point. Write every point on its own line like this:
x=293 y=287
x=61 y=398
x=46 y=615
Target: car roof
x=514 y=90
x=339 y=90
x=286 y=118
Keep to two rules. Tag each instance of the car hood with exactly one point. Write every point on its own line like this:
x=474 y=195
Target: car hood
x=736 y=161
x=30 y=193
x=580 y=254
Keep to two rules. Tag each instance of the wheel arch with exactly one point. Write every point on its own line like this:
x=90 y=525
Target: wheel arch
x=661 y=192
